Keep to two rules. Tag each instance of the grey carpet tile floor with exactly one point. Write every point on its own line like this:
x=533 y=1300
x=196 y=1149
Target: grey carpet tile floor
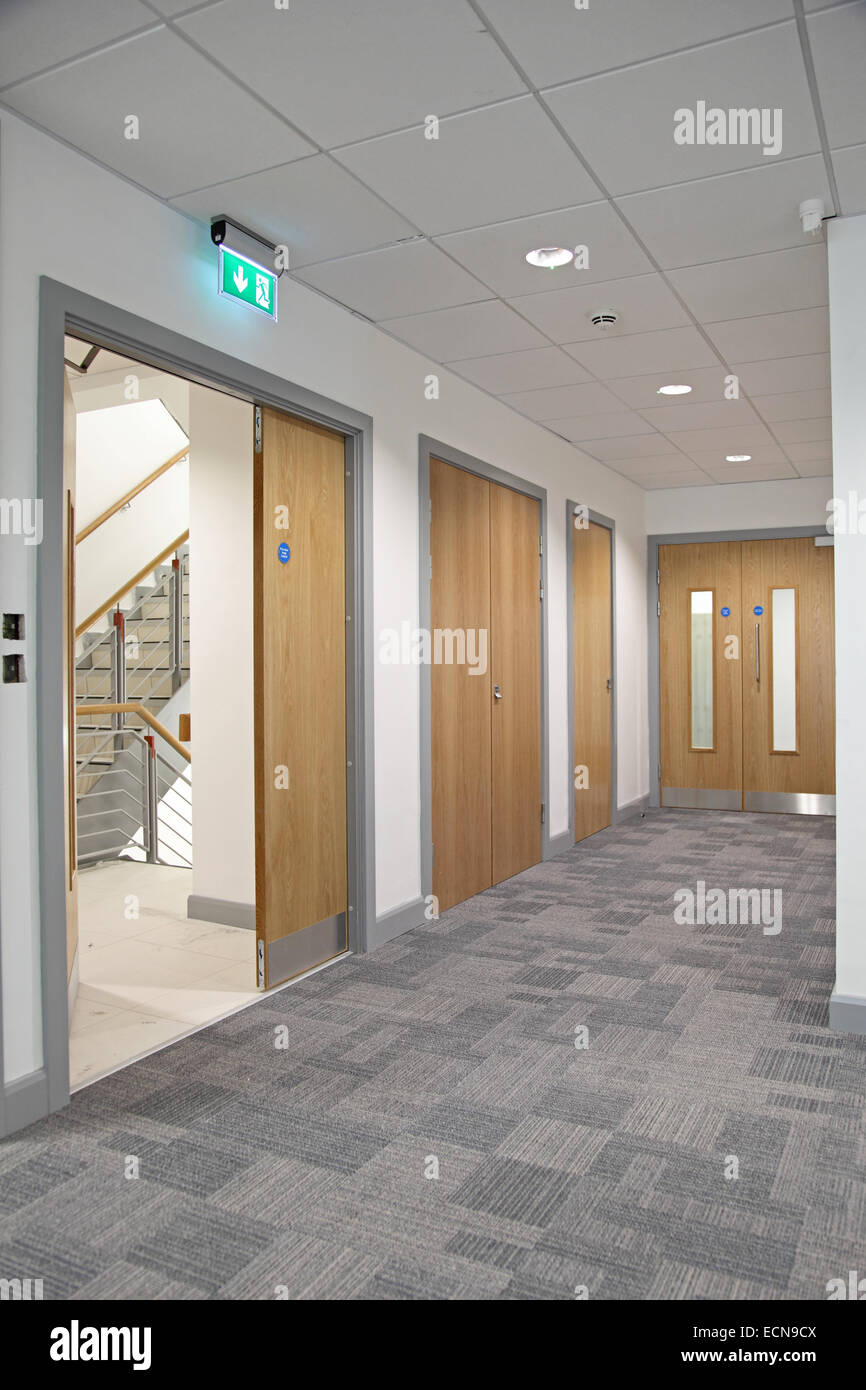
x=554 y=1086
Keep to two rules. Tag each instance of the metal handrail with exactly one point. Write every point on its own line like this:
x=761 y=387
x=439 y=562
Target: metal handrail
x=160 y=817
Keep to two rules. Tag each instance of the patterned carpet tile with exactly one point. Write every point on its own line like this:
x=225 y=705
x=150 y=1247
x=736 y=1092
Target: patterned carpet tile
x=555 y=1090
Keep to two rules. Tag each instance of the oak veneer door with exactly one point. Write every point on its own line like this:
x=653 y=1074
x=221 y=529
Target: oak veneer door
x=591 y=588
x=300 y=696
x=788 y=676
x=69 y=440
x=701 y=701
x=515 y=665
x=460 y=696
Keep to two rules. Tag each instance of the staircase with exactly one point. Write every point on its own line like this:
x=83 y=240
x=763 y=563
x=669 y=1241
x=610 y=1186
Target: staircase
x=132 y=786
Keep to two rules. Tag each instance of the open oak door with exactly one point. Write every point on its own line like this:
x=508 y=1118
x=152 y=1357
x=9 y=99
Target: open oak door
x=299 y=516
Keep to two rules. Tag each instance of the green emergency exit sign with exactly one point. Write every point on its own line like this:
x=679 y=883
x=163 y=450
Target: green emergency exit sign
x=252 y=284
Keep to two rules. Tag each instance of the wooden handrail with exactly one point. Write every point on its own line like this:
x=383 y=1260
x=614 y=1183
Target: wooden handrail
x=132 y=707
x=142 y=574
x=128 y=496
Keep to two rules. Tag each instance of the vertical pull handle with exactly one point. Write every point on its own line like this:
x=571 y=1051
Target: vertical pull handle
x=758 y=653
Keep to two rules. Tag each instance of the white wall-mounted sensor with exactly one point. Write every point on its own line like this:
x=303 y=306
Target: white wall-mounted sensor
x=812 y=215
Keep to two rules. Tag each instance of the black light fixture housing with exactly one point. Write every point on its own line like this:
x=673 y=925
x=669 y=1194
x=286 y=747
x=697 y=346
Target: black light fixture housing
x=244 y=242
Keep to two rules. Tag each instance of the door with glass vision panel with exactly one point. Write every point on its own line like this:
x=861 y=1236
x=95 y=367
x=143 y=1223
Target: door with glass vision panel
x=591 y=588
x=299 y=476
x=788 y=676
x=701 y=692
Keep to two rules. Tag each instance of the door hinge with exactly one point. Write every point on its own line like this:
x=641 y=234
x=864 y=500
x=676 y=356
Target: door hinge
x=658 y=609
x=542 y=813
x=660 y=772
x=658 y=577
x=541 y=590
x=429 y=566
x=258 y=429
x=260 y=957
x=541 y=545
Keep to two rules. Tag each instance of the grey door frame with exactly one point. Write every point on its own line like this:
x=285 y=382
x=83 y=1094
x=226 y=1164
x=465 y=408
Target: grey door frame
x=427 y=448
x=64 y=309
x=601 y=520
x=770 y=533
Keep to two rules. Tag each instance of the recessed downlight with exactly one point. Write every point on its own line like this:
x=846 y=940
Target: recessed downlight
x=737 y=458
x=549 y=257
x=673 y=390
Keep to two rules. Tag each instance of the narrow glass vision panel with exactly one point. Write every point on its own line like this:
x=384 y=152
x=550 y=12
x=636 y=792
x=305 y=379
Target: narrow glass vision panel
x=784 y=647
x=701 y=636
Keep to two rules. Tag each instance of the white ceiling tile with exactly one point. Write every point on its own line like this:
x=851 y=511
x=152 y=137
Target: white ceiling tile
x=807 y=373
x=819 y=451
x=615 y=425
x=350 y=69
x=312 y=205
x=401 y=280
x=497 y=254
x=473 y=330
x=172 y=90
x=736 y=439
x=802 y=431
x=555 y=42
x=637 y=354
x=634 y=446
x=805 y=331
x=713 y=459
x=670 y=419
x=795 y=405
x=638 y=468
x=521 y=371
x=753 y=473
x=837 y=39
x=673 y=480
x=172 y=8
x=815 y=468
x=849 y=167
x=35 y=34
x=740 y=214
x=559 y=401
x=506 y=161
x=624 y=122
x=642 y=302
x=749 y=285
x=641 y=392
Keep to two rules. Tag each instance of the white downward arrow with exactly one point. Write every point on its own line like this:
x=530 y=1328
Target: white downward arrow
x=240 y=279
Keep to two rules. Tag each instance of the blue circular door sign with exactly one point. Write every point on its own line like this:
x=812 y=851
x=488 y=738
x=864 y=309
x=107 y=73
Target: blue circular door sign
x=726 y=612
x=284 y=553
x=757 y=610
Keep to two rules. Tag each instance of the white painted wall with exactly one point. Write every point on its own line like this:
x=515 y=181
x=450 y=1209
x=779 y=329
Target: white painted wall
x=847 y=259
x=221 y=645
x=738 y=506
x=125 y=247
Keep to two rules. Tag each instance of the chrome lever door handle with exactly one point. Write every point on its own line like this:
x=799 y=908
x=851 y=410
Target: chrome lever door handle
x=497 y=693
x=758 y=653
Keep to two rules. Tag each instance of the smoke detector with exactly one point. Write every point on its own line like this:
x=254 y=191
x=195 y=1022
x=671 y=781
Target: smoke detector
x=604 y=319
x=811 y=216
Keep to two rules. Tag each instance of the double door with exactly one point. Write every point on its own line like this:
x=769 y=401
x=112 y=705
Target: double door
x=485 y=682
x=747 y=700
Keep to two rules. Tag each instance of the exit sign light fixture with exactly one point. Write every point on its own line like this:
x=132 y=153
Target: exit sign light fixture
x=243 y=272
